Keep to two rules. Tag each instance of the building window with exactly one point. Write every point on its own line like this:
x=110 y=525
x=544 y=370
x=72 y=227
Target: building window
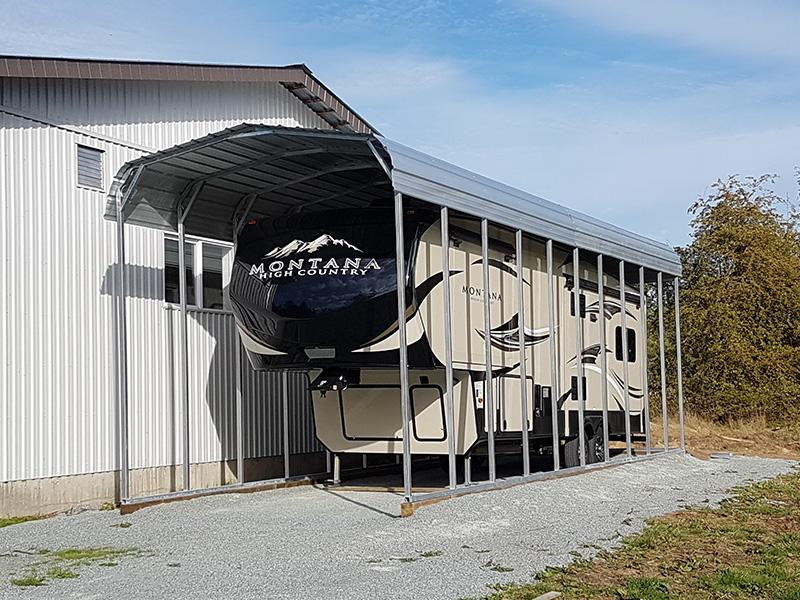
x=204 y=273
x=212 y=275
x=631 y=344
x=172 y=290
x=90 y=167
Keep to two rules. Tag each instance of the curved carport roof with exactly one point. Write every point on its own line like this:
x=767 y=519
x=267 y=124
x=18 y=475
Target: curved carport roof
x=266 y=171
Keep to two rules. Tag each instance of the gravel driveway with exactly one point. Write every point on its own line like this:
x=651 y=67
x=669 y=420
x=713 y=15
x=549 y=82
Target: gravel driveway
x=312 y=543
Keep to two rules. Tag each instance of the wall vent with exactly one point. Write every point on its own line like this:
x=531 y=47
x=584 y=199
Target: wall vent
x=90 y=167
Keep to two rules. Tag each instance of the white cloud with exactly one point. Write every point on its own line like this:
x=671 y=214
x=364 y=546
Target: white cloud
x=764 y=28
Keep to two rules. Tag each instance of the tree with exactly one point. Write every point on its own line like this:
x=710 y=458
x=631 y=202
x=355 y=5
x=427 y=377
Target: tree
x=740 y=304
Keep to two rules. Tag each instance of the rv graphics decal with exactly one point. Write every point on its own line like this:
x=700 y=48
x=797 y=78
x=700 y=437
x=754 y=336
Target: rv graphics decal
x=508 y=341
x=610 y=308
x=506 y=336
x=589 y=357
x=301 y=247
x=287 y=260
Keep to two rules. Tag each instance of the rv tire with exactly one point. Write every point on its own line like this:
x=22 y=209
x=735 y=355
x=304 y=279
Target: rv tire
x=593 y=449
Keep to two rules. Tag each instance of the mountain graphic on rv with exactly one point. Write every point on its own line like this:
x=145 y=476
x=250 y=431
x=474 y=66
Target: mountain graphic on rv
x=301 y=247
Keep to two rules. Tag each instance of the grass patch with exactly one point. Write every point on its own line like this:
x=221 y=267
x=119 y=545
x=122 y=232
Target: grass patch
x=8 y=521
x=645 y=588
x=63 y=564
x=93 y=554
x=748 y=548
x=30 y=579
x=60 y=573
x=754 y=437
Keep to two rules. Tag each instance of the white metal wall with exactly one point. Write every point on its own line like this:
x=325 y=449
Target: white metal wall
x=57 y=376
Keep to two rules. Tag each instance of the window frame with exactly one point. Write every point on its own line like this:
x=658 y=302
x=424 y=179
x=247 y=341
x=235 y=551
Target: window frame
x=198 y=244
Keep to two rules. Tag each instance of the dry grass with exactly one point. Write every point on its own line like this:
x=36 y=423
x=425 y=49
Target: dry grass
x=749 y=548
x=754 y=437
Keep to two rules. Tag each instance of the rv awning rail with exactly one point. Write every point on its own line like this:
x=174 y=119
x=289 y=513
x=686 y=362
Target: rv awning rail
x=267 y=171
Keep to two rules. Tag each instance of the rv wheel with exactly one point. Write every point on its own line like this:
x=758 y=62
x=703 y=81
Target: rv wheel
x=596 y=452
x=571 y=457
x=593 y=451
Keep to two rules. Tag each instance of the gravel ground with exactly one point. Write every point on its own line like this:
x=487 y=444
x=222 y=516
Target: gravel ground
x=312 y=543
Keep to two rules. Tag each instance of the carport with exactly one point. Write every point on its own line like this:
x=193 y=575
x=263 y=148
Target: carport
x=212 y=186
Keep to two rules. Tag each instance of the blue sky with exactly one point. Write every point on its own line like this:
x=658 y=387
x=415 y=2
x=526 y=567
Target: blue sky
x=624 y=109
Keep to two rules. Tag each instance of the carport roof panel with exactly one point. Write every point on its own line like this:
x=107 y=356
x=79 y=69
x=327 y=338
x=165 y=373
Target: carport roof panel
x=285 y=165
x=423 y=176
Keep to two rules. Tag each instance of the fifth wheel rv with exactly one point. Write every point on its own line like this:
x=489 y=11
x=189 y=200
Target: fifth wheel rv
x=316 y=292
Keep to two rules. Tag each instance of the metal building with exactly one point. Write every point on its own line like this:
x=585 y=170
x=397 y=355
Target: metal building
x=66 y=127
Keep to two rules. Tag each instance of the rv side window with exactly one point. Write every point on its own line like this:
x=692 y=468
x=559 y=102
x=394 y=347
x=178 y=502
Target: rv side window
x=574 y=388
x=572 y=304
x=631 y=344
x=171 y=272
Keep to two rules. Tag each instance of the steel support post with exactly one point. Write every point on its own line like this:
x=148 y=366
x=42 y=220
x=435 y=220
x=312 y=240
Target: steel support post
x=405 y=409
x=122 y=358
x=601 y=319
x=644 y=345
x=467 y=470
x=554 y=386
x=184 y=350
x=626 y=392
x=239 y=413
x=523 y=374
x=679 y=364
x=448 y=349
x=337 y=469
x=285 y=423
x=183 y=213
x=488 y=402
x=576 y=289
x=238 y=346
x=662 y=361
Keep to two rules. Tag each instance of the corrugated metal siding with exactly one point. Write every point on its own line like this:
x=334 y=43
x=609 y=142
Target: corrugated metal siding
x=57 y=373
x=156 y=114
x=212 y=400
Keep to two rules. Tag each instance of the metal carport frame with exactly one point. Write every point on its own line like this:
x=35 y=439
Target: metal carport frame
x=211 y=186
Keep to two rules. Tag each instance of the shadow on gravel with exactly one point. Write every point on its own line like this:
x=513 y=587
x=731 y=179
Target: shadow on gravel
x=374 y=509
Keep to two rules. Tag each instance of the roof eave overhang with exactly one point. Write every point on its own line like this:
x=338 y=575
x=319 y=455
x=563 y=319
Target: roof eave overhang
x=297 y=79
